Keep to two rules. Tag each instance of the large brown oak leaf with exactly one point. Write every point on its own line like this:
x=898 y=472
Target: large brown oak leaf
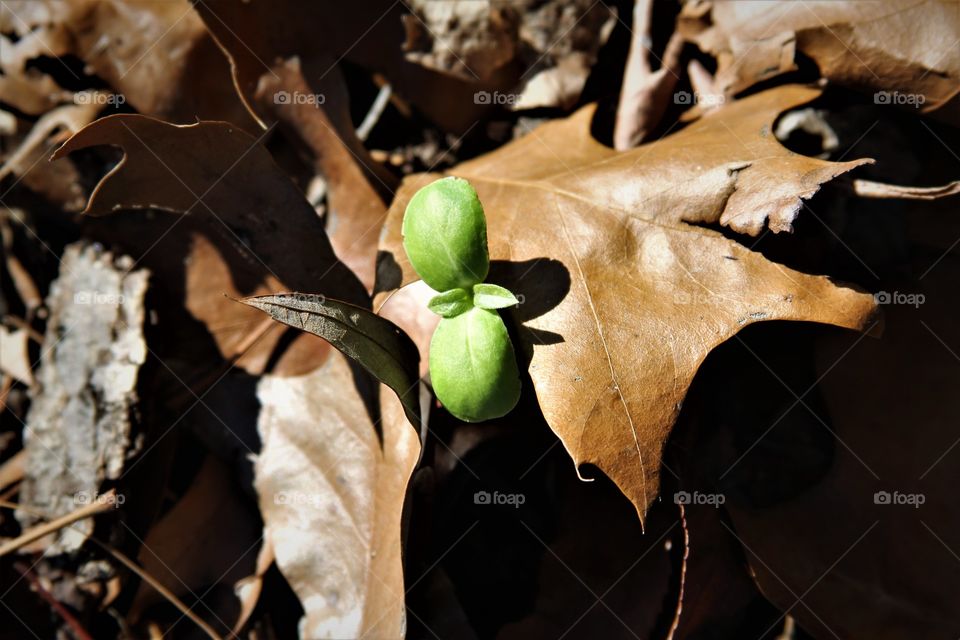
x=624 y=292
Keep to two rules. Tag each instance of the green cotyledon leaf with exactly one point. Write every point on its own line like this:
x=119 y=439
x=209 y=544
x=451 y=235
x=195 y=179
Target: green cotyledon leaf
x=472 y=366
x=445 y=235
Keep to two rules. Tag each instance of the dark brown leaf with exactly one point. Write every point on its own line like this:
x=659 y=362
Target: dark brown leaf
x=261 y=235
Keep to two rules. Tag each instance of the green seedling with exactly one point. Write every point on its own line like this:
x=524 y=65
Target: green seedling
x=472 y=363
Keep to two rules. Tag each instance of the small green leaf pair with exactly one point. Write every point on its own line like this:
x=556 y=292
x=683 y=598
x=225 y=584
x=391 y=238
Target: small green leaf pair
x=486 y=296
x=472 y=364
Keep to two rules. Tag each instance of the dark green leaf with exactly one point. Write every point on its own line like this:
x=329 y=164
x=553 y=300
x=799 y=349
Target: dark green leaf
x=378 y=345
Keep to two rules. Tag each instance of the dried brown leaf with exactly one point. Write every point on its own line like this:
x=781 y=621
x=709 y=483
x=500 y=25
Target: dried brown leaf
x=646 y=92
x=248 y=589
x=903 y=46
x=871 y=189
x=331 y=486
x=650 y=293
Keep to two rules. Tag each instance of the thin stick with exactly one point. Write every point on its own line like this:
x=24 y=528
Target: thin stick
x=13 y=506
x=675 y=624
x=78 y=631
x=103 y=503
x=12 y=491
x=376 y=110
x=162 y=590
x=5 y=386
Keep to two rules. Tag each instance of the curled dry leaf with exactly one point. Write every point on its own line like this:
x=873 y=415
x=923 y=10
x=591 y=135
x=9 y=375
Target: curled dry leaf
x=559 y=43
x=469 y=39
x=261 y=234
x=326 y=469
x=29 y=90
x=27 y=32
x=639 y=293
x=58 y=183
x=12 y=469
x=902 y=47
x=248 y=588
x=331 y=486
x=646 y=92
x=23 y=282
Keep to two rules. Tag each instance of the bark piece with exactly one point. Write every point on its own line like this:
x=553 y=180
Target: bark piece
x=78 y=430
